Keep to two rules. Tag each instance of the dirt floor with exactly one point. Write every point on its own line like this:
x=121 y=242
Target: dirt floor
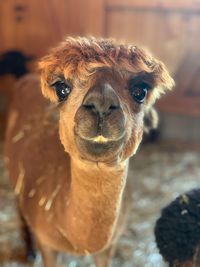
x=160 y=173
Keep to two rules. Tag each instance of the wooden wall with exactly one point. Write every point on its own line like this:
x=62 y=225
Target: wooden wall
x=170 y=29
x=35 y=25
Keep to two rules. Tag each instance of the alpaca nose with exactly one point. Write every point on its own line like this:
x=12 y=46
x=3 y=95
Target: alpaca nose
x=101 y=100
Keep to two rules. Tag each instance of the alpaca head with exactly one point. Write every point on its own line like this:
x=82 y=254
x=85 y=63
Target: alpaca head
x=103 y=90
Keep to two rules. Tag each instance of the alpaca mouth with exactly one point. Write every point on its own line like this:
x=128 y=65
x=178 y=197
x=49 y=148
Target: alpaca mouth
x=99 y=146
x=100 y=139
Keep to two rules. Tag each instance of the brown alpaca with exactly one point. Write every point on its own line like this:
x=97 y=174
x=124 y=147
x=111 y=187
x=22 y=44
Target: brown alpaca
x=69 y=161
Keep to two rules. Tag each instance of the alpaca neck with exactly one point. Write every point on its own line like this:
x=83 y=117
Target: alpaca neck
x=94 y=203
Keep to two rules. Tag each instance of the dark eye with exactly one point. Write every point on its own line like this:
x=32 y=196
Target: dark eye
x=62 y=90
x=139 y=91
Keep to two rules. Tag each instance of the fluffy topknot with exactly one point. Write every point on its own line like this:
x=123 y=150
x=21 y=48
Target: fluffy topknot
x=177 y=231
x=80 y=57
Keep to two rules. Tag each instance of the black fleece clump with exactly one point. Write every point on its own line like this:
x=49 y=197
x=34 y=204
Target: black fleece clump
x=177 y=231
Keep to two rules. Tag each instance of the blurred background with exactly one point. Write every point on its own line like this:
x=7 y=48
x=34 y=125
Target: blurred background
x=170 y=29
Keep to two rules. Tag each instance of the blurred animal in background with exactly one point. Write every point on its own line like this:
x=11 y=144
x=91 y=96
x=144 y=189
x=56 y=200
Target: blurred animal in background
x=14 y=62
x=68 y=161
x=151 y=121
x=13 y=65
x=177 y=231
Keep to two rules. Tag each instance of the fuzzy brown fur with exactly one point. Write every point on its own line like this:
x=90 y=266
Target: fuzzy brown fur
x=73 y=197
x=80 y=58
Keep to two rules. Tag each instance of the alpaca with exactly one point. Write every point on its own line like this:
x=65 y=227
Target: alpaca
x=68 y=160
x=13 y=65
x=177 y=231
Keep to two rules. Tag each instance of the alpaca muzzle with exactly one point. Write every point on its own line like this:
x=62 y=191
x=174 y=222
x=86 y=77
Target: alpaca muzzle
x=100 y=122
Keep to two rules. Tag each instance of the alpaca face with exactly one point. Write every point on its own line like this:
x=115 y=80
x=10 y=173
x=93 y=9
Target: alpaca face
x=103 y=90
x=105 y=118
x=108 y=117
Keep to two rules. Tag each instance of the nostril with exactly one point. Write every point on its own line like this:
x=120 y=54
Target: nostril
x=90 y=107
x=113 y=107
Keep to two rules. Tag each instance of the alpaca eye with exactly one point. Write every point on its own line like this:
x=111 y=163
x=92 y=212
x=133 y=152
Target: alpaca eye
x=62 y=90
x=139 y=92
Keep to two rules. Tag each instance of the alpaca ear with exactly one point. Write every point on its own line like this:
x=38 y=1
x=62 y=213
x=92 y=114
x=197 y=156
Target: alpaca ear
x=156 y=72
x=49 y=72
x=162 y=80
